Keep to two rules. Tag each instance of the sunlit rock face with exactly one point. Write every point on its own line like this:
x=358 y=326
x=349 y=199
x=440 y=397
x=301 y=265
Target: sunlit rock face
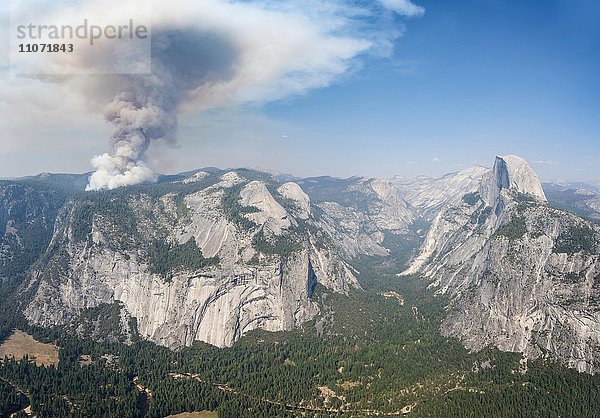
x=427 y=193
x=256 y=282
x=213 y=255
x=520 y=275
x=512 y=173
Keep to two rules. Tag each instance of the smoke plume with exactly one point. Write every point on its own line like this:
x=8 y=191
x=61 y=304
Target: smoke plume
x=208 y=54
x=144 y=109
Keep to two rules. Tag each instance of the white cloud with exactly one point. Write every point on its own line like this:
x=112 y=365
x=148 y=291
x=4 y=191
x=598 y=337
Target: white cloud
x=403 y=7
x=545 y=162
x=436 y=159
x=281 y=49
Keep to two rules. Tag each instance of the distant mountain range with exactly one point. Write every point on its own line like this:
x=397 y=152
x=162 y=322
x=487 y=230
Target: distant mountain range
x=211 y=254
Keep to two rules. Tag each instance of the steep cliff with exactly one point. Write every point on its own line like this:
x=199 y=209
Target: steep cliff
x=520 y=275
x=514 y=174
x=211 y=255
x=27 y=214
x=429 y=195
x=359 y=213
x=207 y=259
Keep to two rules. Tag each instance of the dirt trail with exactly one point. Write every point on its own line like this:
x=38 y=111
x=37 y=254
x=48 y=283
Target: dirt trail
x=291 y=407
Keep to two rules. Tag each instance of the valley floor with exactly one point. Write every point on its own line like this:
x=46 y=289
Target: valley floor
x=366 y=355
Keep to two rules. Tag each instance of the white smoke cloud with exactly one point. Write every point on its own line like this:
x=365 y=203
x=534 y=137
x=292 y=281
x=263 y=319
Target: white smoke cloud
x=217 y=53
x=116 y=171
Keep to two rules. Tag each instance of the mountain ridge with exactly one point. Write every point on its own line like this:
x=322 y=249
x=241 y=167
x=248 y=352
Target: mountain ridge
x=521 y=275
x=242 y=249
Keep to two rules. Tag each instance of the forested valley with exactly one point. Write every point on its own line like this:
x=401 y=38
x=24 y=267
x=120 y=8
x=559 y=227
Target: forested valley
x=376 y=352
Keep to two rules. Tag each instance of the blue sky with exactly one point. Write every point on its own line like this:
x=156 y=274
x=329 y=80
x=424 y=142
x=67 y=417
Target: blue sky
x=470 y=79
x=466 y=81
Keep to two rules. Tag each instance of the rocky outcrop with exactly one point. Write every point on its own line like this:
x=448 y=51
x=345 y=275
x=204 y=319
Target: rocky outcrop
x=212 y=305
x=301 y=201
x=511 y=173
x=264 y=276
x=213 y=255
x=390 y=212
x=520 y=275
x=430 y=195
x=27 y=214
x=360 y=212
x=269 y=212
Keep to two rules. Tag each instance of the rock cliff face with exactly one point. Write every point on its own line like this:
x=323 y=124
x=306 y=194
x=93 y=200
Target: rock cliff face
x=211 y=255
x=512 y=173
x=359 y=212
x=429 y=195
x=520 y=275
x=251 y=264
x=27 y=214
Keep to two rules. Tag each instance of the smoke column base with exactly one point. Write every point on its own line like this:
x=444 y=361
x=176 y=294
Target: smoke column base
x=112 y=172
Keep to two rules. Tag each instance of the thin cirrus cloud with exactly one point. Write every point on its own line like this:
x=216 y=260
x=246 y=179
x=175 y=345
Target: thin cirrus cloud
x=403 y=7
x=545 y=162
